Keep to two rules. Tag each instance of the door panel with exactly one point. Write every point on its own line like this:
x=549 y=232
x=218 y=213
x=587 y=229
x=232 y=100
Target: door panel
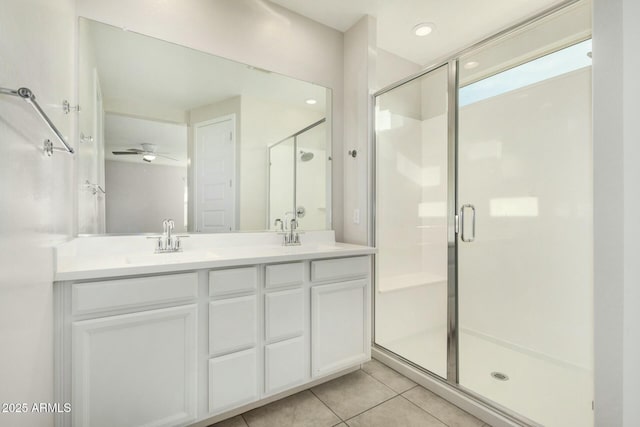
x=524 y=275
x=411 y=220
x=215 y=176
x=148 y=358
x=335 y=346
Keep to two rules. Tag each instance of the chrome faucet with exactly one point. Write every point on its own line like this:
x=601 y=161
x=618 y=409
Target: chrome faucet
x=290 y=235
x=294 y=236
x=168 y=225
x=168 y=242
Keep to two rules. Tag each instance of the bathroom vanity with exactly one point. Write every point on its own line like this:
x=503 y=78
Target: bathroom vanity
x=233 y=321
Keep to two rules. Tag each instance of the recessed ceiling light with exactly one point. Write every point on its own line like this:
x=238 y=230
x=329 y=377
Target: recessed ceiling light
x=311 y=101
x=471 y=65
x=424 y=29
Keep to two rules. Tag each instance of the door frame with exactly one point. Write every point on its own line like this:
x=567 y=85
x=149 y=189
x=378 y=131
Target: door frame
x=194 y=165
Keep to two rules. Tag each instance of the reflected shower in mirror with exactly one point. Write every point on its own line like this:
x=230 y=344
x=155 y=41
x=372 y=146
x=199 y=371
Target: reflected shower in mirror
x=298 y=178
x=171 y=132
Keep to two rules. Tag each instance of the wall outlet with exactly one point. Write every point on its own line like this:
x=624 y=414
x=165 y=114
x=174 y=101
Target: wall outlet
x=356 y=216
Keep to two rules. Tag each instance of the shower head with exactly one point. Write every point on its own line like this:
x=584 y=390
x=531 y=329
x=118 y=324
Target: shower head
x=305 y=156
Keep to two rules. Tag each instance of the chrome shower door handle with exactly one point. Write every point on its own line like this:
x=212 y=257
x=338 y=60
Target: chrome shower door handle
x=473 y=223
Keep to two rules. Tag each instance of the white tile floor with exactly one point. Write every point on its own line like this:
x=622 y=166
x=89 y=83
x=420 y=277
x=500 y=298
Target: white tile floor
x=374 y=396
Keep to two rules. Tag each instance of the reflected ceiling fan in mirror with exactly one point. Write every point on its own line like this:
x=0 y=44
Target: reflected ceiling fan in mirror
x=148 y=153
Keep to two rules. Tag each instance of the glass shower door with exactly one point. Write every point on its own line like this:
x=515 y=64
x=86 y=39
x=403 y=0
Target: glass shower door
x=525 y=237
x=411 y=221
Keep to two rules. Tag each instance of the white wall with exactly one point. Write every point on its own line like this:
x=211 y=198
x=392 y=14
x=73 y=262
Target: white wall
x=617 y=200
x=141 y=195
x=359 y=78
x=37 y=51
x=367 y=68
x=258 y=33
x=530 y=263
x=390 y=68
x=631 y=135
x=608 y=211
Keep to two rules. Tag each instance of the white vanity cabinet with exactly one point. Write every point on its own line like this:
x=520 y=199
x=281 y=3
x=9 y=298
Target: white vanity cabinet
x=177 y=348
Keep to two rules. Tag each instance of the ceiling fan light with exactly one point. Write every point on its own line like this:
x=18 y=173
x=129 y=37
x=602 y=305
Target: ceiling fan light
x=149 y=157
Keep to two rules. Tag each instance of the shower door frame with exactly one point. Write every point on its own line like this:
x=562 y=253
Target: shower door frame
x=452 y=63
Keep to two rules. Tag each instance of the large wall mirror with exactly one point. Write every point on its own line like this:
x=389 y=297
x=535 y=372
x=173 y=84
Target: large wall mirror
x=171 y=132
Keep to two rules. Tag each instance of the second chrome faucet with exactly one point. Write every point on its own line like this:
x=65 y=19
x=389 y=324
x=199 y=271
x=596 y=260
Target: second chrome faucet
x=168 y=242
x=290 y=237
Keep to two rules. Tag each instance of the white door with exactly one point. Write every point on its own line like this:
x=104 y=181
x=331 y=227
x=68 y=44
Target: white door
x=215 y=175
x=136 y=369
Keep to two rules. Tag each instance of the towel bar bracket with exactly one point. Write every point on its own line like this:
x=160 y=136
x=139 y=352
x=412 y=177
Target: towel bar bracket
x=30 y=98
x=67 y=108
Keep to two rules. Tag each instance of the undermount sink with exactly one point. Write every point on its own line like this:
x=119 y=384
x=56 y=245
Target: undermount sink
x=170 y=257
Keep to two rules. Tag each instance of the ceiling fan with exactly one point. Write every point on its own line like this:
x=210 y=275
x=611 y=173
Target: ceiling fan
x=148 y=152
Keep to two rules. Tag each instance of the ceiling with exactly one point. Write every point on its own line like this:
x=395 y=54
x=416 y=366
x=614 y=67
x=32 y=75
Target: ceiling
x=459 y=23
x=123 y=132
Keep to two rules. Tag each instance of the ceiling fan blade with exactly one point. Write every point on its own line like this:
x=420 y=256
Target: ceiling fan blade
x=118 y=153
x=165 y=157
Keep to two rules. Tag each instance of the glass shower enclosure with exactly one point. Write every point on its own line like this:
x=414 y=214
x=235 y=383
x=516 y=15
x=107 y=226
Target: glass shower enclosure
x=483 y=221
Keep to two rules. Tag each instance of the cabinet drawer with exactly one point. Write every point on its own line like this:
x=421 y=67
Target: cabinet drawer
x=285 y=365
x=284 y=314
x=232 y=281
x=340 y=268
x=130 y=293
x=233 y=380
x=232 y=324
x=279 y=275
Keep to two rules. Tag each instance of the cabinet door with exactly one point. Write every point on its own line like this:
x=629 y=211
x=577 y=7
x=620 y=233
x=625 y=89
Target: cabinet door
x=136 y=369
x=233 y=380
x=338 y=326
x=286 y=364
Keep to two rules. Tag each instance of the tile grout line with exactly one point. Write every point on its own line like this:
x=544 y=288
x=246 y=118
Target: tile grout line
x=328 y=407
x=244 y=419
x=424 y=410
x=448 y=404
x=380 y=381
x=397 y=394
x=409 y=389
x=374 y=406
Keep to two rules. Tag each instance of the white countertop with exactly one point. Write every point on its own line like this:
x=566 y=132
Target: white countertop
x=98 y=257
